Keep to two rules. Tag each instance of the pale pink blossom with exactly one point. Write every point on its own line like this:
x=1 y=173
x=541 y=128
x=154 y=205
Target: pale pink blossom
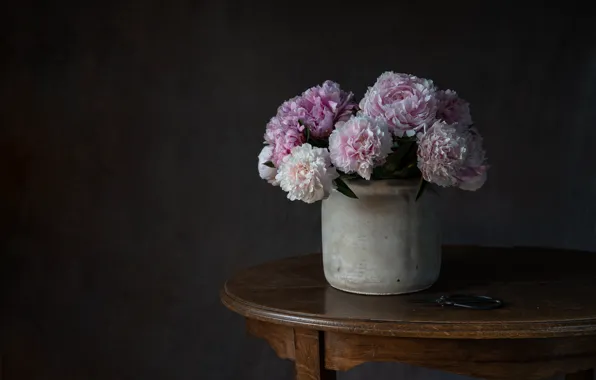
x=318 y=108
x=265 y=172
x=453 y=109
x=306 y=174
x=360 y=144
x=282 y=137
x=452 y=155
x=407 y=103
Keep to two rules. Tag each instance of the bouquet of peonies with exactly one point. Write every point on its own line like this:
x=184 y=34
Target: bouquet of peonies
x=404 y=127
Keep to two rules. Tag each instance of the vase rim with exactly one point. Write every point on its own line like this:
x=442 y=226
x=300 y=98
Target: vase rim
x=386 y=182
x=382 y=186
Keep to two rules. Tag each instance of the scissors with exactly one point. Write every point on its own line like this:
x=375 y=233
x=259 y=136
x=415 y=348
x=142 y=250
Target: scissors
x=467 y=301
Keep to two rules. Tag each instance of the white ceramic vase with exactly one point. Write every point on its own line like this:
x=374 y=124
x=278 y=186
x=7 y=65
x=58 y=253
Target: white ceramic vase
x=385 y=242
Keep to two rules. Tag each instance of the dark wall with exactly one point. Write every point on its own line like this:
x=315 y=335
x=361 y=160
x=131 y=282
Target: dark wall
x=128 y=142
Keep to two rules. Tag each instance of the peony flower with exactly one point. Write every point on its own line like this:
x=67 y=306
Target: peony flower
x=475 y=182
x=266 y=172
x=407 y=103
x=282 y=136
x=453 y=109
x=473 y=175
x=306 y=174
x=319 y=108
x=452 y=155
x=360 y=144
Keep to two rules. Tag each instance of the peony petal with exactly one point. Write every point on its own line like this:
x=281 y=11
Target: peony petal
x=474 y=183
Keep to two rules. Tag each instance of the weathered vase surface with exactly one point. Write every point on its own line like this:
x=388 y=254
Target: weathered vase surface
x=385 y=242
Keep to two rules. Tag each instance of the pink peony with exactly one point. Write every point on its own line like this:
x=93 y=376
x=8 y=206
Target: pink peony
x=319 y=108
x=407 y=103
x=360 y=144
x=453 y=109
x=282 y=137
x=452 y=155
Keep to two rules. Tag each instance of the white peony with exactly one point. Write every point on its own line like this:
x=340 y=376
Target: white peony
x=265 y=171
x=306 y=174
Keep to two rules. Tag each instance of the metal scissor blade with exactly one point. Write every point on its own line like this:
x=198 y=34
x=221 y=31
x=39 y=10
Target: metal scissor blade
x=465 y=301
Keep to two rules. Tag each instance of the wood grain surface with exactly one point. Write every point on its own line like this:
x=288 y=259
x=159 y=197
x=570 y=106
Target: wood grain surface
x=547 y=293
x=545 y=328
x=529 y=359
x=310 y=362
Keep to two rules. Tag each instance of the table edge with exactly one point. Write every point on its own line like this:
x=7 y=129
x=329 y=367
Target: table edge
x=411 y=329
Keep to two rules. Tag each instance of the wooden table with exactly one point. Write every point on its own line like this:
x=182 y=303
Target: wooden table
x=547 y=326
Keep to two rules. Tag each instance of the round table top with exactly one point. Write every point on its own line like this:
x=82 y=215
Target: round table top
x=546 y=293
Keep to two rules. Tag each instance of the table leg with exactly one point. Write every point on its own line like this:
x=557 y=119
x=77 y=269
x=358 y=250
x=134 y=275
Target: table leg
x=583 y=375
x=309 y=348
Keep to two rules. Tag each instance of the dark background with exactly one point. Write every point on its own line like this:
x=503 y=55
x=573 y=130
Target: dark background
x=128 y=143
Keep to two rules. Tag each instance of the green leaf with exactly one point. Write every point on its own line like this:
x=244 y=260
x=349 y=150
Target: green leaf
x=269 y=163
x=380 y=173
x=318 y=143
x=423 y=184
x=394 y=160
x=410 y=171
x=343 y=188
x=306 y=130
x=311 y=140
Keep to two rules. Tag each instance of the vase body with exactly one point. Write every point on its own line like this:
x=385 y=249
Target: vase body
x=385 y=242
